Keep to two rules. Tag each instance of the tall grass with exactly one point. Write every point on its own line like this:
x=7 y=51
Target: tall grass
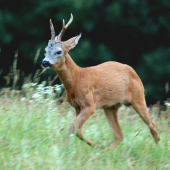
x=34 y=126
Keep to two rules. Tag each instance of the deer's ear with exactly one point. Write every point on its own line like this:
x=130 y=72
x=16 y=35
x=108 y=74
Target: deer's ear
x=72 y=42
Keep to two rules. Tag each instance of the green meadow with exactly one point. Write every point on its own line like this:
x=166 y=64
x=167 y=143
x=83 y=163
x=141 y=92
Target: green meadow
x=34 y=125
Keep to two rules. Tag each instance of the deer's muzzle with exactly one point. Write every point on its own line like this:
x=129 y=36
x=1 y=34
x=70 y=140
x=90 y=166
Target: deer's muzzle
x=46 y=63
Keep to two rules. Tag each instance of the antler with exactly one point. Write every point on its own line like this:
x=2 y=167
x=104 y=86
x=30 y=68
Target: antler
x=64 y=28
x=52 y=30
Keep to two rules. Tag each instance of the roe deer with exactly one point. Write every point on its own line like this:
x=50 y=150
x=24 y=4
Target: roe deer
x=106 y=86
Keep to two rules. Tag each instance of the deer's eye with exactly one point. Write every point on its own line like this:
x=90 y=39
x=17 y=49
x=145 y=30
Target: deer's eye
x=59 y=52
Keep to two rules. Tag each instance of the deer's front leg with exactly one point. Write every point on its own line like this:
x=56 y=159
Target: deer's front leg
x=77 y=111
x=77 y=125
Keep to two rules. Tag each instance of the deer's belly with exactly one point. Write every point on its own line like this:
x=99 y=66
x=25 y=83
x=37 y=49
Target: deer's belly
x=109 y=97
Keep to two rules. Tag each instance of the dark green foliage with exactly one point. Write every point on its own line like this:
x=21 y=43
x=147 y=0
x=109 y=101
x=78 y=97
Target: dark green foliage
x=133 y=32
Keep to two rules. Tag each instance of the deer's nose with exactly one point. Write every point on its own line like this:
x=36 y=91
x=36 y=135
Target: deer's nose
x=46 y=63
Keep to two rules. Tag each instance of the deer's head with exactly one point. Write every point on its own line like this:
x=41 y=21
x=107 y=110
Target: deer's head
x=56 y=50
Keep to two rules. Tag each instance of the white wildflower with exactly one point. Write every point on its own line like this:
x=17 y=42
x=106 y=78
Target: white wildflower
x=30 y=101
x=36 y=95
x=33 y=84
x=23 y=98
x=49 y=91
x=57 y=88
x=40 y=85
x=167 y=104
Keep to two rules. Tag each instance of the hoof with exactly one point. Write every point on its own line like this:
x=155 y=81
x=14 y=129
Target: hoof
x=98 y=145
x=158 y=140
x=110 y=148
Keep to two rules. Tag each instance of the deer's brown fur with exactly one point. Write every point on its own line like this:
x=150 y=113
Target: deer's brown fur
x=106 y=86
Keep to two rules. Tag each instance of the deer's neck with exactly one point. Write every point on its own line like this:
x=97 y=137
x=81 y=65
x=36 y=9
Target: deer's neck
x=68 y=72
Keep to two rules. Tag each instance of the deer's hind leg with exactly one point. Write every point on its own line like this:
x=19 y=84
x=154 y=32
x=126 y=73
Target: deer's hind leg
x=140 y=106
x=112 y=117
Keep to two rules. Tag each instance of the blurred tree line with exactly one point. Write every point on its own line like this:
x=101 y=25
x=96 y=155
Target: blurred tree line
x=134 y=32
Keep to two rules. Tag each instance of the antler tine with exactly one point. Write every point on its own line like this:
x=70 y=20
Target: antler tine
x=70 y=21
x=63 y=23
x=64 y=28
x=52 y=30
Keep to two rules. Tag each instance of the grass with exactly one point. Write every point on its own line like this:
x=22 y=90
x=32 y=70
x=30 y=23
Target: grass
x=34 y=128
